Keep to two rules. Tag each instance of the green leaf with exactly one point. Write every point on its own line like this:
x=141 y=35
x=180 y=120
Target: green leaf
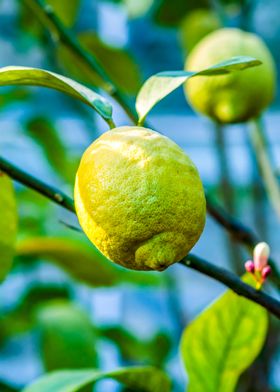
x=117 y=63
x=40 y=129
x=160 y=85
x=67 y=337
x=132 y=349
x=222 y=342
x=144 y=379
x=8 y=225
x=66 y=10
x=12 y=96
x=15 y=75
x=85 y=263
x=20 y=319
x=136 y=8
x=170 y=13
x=33 y=21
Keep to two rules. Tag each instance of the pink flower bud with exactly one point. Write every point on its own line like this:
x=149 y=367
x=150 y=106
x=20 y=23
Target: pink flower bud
x=249 y=266
x=261 y=254
x=266 y=271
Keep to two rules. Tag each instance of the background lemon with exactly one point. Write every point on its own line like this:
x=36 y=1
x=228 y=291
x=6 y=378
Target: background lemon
x=196 y=25
x=139 y=198
x=238 y=96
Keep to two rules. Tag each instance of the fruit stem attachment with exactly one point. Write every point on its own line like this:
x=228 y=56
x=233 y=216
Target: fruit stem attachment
x=260 y=146
x=222 y=275
x=111 y=123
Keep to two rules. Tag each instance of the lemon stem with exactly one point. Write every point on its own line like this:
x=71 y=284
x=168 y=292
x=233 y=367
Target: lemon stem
x=111 y=123
x=262 y=154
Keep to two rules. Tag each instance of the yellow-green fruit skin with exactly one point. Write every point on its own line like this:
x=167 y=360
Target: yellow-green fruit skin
x=240 y=95
x=139 y=198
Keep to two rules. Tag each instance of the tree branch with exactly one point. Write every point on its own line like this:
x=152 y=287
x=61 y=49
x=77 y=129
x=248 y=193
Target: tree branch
x=240 y=233
x=37 y=185
x=233 y=282
x=220 y=274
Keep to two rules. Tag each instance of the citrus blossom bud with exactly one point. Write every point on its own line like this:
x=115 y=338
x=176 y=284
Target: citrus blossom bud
x=249 y=266
x=261 y=254
x=266 y=271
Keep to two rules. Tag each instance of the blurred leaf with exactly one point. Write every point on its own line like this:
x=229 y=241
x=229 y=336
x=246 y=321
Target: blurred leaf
x=44 y=133
x=66 y=10
x=118 y=63
x=13 y=95
x=160 y=85
x=67 y=337
x=8 y=225
x=222 y=342
x=136 y=8
x=20 y=319
x=144 y=379
x=7 y=388
x=196 y=25
x=38 y=77
x=153 y=351
x=170 y=13
x=33 y=21
x=84 y=263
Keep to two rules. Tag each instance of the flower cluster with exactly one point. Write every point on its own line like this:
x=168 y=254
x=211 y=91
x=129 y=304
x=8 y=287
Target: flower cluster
x=259 y=267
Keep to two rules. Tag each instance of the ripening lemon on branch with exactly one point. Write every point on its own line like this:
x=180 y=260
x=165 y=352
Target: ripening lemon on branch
x=139 y=198
x=238 y=96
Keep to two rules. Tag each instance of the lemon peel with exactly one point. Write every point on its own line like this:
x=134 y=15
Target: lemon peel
x=139 y=198
x=238 y=96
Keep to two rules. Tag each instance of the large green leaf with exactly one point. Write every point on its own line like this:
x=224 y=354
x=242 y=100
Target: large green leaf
x=39 y=77
x=67 y=337
x=222 y=342
x=8 y=225
x=160 y=85
x=84 y=263
x=144 y=379
x=118 y=64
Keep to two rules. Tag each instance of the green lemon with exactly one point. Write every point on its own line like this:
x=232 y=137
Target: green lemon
x=238 y=96
x=139 y=198
x=196 y=25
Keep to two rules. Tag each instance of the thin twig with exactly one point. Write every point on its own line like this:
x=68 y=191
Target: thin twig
x=226 y=190
x=233 y=282
x=240 y=233
x=220 y=274
x=260 y=145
